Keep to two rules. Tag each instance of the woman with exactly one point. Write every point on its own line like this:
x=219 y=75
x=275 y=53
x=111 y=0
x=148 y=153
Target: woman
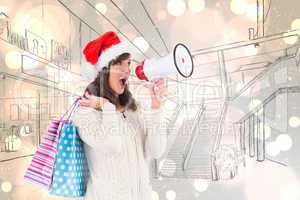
x=119 y=142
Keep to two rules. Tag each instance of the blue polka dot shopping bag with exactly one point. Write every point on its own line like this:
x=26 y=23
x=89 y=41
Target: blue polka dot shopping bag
x=70 y=169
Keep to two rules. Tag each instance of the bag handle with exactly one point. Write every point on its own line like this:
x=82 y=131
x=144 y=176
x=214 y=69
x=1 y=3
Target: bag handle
x=71 y=109
x=76 y=105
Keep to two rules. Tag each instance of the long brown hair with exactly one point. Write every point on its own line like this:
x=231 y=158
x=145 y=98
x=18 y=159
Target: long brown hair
x=100 y=87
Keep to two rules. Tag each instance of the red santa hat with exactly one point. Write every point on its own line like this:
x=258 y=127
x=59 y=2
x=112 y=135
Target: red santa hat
x=106 y=47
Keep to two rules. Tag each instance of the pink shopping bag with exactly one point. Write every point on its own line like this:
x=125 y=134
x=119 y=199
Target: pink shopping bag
x=40 y=170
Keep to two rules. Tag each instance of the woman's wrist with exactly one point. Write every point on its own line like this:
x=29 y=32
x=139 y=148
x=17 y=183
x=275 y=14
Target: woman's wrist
x=98 y=105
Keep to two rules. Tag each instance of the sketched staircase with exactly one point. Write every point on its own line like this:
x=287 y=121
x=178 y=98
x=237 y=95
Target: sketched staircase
x=172 y=165
x=189 y=156
x=198 y=154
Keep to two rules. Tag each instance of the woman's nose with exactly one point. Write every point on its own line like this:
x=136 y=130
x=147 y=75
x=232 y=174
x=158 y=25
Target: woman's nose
x=127 y=70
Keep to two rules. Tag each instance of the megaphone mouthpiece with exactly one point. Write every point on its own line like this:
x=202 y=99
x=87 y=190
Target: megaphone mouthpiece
x=139 y=71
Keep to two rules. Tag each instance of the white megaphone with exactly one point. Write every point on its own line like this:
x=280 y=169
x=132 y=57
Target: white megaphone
x=179 y=61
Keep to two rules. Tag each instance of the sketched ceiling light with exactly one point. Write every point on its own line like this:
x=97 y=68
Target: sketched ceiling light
x=176 y=7
x=141 y=43
x=101 y=7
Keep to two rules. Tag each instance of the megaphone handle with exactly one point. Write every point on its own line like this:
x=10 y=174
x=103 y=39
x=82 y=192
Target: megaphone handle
x=161 y=98
x=155 y=88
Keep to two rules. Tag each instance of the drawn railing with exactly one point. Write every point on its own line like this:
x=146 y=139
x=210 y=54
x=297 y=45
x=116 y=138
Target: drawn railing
x=250 y=135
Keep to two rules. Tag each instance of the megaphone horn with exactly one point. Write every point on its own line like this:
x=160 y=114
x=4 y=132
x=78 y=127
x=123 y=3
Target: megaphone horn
x=179 y=61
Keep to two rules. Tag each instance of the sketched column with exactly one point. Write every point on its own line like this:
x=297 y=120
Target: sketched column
x=242 y=138
x=261 y=137
x=262 y=10
x=251 y=136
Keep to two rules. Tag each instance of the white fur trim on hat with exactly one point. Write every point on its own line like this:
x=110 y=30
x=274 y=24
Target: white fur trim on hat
x=111 y=53
x=88 y=71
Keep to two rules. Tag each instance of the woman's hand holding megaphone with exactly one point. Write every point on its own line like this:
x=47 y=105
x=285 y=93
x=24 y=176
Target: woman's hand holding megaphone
x=157 y=92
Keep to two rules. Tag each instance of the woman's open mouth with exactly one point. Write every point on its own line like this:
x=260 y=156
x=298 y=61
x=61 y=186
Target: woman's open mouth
x=123 y=81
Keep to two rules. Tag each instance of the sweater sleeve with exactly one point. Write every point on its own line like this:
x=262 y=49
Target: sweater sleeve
x=99 y=129
x=155 y=135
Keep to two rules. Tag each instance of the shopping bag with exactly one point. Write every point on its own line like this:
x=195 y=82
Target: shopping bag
x=40 y=170
x=70 y=170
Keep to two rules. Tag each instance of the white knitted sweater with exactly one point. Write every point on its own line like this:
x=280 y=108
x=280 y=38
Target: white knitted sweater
x=119 y=150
